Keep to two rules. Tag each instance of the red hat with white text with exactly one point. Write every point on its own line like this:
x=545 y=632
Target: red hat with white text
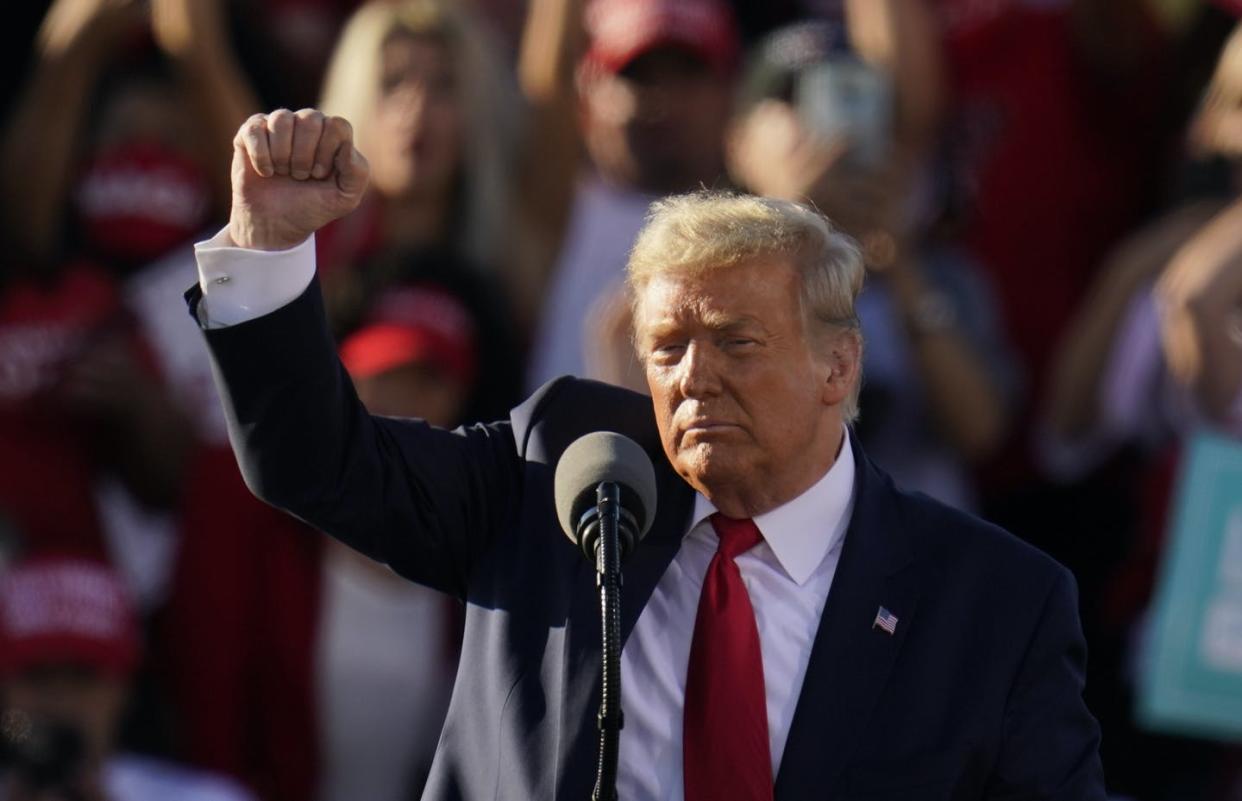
x=66 y=610
x=414 y=324
x=622 y=30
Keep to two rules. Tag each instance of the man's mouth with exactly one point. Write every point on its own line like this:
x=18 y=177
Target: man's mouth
x=707 y=426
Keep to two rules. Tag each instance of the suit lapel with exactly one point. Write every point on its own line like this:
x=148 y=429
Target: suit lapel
x=640 y=572
x=851 y=659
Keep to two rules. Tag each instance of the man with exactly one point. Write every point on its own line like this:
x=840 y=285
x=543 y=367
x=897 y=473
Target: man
x=655 y=88
x=865 y=642
x=69 y=644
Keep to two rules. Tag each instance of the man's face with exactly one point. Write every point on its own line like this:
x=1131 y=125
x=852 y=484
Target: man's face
x=414 y=390
x=657 y=125
x=89 y=701
x=414 y=143
x=747 y=410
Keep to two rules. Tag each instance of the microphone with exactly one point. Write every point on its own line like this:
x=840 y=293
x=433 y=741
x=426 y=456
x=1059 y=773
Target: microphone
x=606 y=499
x=601 y=458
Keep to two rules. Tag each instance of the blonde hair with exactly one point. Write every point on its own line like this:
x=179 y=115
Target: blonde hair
x=352 y=85
x=1211 y=130
x=708 y=229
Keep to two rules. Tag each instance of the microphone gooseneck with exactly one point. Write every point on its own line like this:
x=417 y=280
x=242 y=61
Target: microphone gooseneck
x=606 y=499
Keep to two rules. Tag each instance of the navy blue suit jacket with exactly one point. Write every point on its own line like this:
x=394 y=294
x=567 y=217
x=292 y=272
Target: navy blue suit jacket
x=978 y=694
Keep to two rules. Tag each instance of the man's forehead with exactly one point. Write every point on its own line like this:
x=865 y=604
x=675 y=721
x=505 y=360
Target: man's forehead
x=716 y=319
x=723 y=297
x=719 y=282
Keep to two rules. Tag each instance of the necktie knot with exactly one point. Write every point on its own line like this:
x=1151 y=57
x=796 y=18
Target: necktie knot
x=737 y=536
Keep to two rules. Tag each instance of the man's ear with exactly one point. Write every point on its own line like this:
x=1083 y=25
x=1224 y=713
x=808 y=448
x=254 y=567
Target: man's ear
x=843 y=363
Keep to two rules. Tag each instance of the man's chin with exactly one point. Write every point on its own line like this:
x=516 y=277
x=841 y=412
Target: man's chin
x=709 y=465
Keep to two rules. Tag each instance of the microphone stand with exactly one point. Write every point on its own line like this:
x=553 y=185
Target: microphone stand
x=608 y=579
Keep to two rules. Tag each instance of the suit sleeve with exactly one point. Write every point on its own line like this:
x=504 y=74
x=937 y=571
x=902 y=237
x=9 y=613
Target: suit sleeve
x=1050 y=749
x=423 y=500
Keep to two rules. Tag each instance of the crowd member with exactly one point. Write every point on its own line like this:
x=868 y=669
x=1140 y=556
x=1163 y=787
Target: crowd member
x=329 y=675
x=1051 y=154
x=1113 y=347
x=69 y=643
x=104 y=172
x=107 y=151
x=79 y=403
x=1045 y=107
x=460 y=167
x=1201 y=330
x=1163 y=333
x=816 y=122
x=1152 y=356
x=421 y=82
x=655 y=88
x=498 y=377
x=110 y=166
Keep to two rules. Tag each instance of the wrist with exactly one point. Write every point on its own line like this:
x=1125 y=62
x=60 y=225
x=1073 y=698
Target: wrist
x=246 y=232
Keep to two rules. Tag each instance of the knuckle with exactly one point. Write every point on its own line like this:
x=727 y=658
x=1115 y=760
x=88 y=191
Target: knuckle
x=280 y=118
x=342 y=126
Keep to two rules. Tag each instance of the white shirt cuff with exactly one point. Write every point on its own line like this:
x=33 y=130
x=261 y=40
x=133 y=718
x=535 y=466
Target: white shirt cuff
x=241 y=284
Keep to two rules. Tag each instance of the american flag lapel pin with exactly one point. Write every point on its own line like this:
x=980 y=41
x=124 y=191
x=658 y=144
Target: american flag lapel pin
x=886 y=620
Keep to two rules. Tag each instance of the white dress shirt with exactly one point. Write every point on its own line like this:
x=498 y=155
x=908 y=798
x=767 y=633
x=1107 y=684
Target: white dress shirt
x=788 y=575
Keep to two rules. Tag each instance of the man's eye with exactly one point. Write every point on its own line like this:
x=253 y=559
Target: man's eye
x=670 y=350
x=740 y=342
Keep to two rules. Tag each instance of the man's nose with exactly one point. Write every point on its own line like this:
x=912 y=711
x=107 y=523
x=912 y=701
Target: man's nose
x=700 y=373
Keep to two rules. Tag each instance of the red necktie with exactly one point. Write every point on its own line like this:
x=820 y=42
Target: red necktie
x=725 y=753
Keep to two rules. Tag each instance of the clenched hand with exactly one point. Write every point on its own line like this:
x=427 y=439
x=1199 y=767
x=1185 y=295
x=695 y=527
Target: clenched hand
x=293 y=173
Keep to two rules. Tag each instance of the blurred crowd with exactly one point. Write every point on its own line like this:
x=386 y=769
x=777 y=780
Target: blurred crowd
x=1048 y=194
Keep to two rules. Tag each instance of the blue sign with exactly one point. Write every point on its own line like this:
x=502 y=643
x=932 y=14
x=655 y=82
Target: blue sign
x=1194 y=681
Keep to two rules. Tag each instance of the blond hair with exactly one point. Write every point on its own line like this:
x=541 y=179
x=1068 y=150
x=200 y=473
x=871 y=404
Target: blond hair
x=709 y=229
x=1212 y=131
x=352 y=86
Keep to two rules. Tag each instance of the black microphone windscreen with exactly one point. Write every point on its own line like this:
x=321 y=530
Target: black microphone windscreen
x=598 y=457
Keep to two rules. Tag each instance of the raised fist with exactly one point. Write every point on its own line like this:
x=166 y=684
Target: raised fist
x=293 y=173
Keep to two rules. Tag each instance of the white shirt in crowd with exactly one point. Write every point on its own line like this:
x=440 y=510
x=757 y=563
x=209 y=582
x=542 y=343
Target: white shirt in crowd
x=603 y=224
x=382 y=680
x=128 y=777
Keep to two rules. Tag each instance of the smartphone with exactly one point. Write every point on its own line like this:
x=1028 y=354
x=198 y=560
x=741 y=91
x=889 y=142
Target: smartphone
x=844 y=96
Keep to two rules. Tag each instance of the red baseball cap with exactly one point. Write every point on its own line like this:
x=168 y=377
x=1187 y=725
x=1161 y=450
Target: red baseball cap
x=414 y=324
x=622 y=30
x=66 y=610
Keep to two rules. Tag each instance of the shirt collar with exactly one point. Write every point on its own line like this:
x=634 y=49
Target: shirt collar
x=802 y=531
